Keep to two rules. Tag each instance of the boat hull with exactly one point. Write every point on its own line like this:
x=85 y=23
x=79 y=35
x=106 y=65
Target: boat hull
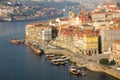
x=16 y=41
x=49 y=56
x=37 y=51
x=55 y=62
x=73 y=70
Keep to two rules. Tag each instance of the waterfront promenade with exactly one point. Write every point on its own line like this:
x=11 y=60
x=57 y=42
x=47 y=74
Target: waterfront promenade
x=90 y=62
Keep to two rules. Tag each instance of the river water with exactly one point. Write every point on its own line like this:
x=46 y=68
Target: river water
x=18 y=62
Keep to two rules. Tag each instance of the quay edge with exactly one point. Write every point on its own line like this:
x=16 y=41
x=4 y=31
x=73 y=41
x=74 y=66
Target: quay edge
x=79 y=62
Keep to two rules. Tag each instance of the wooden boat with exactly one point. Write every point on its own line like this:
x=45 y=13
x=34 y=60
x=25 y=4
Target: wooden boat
x=15 y=41
x=62 y=62
x=55 y=62
x=74 y=70
x=49 y=56
x=36 y=50
x=58 y=61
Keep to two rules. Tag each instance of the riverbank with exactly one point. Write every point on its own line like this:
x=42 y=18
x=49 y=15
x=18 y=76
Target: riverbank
x=79 y=59
x=89 y=63
x=19 y=62
x=30 y=18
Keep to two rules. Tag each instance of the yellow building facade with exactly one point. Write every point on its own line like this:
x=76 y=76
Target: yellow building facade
x=87 y=42
x=91 y=44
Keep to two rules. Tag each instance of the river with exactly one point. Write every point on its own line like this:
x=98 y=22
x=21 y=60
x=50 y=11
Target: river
x=18 y=62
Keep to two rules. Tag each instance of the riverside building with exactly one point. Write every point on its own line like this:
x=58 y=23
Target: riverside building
x=108 y=36
x=115 y=52
x=106 y=11
x=40 y=31
x=85 y=41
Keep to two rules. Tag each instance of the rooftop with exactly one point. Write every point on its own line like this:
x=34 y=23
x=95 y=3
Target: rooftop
x=117 y=41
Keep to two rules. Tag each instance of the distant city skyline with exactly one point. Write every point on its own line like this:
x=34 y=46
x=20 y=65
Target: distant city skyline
x=75 y=0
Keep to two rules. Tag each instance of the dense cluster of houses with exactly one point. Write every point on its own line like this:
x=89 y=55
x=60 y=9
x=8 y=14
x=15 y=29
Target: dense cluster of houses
x=87 y=33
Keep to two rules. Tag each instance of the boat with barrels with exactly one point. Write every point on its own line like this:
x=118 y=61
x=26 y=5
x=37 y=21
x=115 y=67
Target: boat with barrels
x=36 y=50
x=16 y=41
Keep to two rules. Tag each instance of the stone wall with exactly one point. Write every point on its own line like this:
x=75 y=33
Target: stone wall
x=101 y=68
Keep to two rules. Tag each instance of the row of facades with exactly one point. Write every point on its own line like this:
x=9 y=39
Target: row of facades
x=89 y=32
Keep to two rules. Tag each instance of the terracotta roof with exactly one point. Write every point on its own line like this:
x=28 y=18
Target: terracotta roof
x=113 y=8
x=64 y=25
x=69 y=31
x=64 y=19
x=115 y=28
x=80 y=33
x=85 y=18
x=117 y=20
x=87 y=33
x=66 y=31
x=116 y=41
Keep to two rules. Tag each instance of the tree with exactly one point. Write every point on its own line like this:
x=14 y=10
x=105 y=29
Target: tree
x=104 y=61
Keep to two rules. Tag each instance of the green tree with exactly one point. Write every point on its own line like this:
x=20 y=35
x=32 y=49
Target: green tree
x=104 y=61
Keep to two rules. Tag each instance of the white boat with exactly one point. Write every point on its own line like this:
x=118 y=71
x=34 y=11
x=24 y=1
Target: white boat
x=7 y=18
x=74 y=70
x=49 y=56
x=55 y=62
x=58 y=61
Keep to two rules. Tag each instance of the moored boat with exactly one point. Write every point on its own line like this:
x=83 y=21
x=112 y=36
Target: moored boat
x=55 y=62
x=74 y=70
x=58 y=61
x=15 y=41
x=49 y=56
x=36 y=50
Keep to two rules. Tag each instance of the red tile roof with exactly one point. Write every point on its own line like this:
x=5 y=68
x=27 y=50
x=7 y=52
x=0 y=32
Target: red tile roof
x=66 y=31
x=69 y=31
x=84 y=18
x=88 y=33
x=64 y=19
x=115 y=28
x=78 y=32
x=116 y=41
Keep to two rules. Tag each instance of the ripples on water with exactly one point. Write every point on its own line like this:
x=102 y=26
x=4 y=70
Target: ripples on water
x=18 y=62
